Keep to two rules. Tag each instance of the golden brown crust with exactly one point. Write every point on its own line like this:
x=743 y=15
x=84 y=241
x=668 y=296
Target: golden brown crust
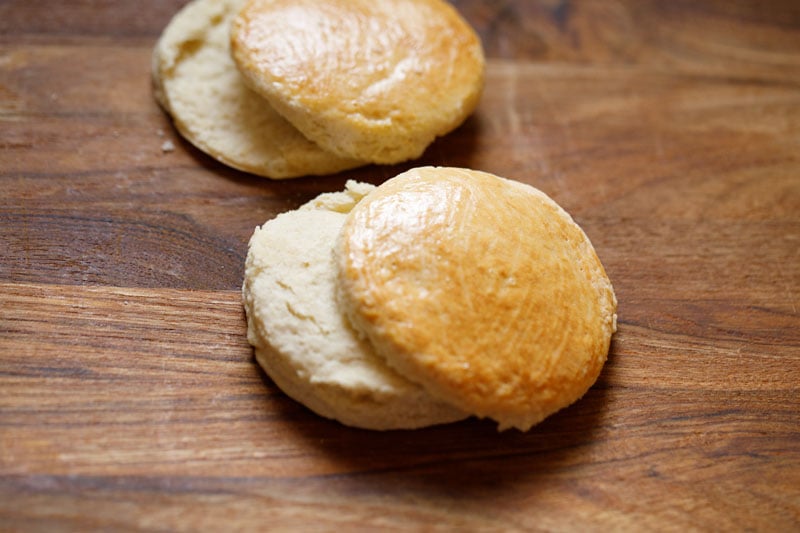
x=376 y=80
x=481 y=289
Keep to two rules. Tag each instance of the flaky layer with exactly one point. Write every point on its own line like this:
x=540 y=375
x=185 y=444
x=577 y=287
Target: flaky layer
x=482 y=289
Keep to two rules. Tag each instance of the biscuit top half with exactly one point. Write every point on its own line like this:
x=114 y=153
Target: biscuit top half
x=479 y=288
x=371 y=79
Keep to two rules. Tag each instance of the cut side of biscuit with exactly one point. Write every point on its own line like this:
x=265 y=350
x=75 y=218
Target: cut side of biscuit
x=304 y=342
x=481 y=289
x=376 y=80
x=197 y=83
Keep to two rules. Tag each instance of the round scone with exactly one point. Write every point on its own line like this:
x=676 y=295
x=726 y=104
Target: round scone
x=302 y=340
x=197 y=83
x=376 y=80
x=481 y=289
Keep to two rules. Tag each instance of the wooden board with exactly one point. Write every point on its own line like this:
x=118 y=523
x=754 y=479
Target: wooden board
x=129 y=398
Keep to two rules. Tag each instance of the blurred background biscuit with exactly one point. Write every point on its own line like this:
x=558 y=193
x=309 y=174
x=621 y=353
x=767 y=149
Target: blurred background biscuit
x=197 y=83
x=376 y=80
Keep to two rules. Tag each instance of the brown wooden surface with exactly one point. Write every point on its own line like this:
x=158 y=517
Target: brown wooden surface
x=129 y=398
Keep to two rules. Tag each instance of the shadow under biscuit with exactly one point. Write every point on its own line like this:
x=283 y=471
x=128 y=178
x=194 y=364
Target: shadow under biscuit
x=469 y=459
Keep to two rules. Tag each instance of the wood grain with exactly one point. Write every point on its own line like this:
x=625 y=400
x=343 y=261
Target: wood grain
x=129 y=398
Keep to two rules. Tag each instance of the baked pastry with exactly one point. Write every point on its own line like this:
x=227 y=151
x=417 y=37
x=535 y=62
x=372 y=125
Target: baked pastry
x=441 y=293
x=197 y=83
x=481 y=289
x=375 y=80
x=302 y=340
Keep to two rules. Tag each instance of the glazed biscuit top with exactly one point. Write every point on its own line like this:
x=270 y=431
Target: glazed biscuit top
x=480 y=288
x=363 y=66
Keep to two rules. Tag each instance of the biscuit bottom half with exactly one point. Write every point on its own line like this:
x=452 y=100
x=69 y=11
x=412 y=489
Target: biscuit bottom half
x=302 y=340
